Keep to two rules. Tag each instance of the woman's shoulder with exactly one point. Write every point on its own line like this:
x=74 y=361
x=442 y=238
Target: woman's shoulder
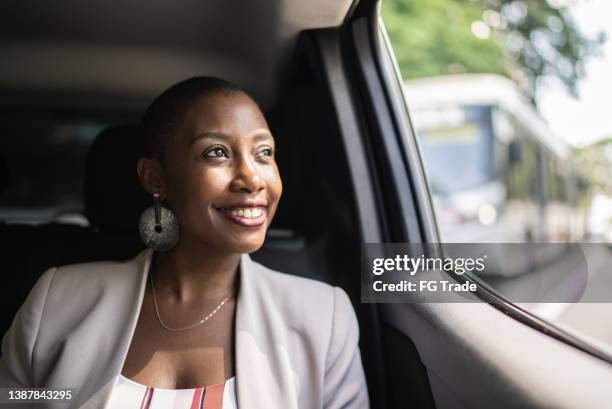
x=302 y=295
x=321 y=312
x=99 y=272
x=69 y=291
x=286 y=281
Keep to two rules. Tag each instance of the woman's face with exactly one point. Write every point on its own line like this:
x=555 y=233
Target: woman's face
x=220 y=177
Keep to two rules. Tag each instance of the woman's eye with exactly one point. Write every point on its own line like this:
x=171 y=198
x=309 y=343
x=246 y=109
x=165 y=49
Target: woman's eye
x=264 y=153
x=217 y=152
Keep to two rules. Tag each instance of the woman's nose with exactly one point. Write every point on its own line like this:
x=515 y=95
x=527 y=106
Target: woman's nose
x=247 y=178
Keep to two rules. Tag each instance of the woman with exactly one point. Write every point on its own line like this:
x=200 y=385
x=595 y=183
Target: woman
x=193 y=319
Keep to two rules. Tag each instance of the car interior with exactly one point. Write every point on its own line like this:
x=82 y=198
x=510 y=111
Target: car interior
x=79 y=68
x=300 y=114
x=102 y=63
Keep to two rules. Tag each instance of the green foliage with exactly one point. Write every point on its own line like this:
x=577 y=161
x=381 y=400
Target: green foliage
x=521 y=39
x=433 y=37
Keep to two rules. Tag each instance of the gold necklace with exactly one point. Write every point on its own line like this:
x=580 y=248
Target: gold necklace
x=202 y=321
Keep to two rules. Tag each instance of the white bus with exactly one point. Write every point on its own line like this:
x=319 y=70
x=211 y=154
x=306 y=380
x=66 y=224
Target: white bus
x=497 y=172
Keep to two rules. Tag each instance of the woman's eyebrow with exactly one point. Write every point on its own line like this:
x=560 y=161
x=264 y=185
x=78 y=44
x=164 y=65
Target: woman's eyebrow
x=262 y=134
x=258 y=135
x=211 y=135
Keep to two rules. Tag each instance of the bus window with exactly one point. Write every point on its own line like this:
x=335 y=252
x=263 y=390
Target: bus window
x=457 y=153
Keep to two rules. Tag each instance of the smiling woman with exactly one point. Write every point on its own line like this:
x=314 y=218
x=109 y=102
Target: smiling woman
x=211 y=160
x=195 y=320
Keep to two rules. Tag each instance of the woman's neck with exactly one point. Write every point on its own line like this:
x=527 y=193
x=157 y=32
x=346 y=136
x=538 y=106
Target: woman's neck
x=195 y=272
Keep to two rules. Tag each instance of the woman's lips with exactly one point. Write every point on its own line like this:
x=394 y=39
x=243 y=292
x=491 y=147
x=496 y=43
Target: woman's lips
x=253 y=216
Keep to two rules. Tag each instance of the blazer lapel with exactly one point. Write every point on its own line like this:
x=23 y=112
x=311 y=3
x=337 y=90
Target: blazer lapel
x=99 y=387
x=264 y=375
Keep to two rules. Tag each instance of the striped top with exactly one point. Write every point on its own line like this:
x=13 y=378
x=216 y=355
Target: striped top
x=128 y=394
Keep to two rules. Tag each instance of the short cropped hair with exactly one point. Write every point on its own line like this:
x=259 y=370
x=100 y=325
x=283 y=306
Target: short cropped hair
x=165 y=113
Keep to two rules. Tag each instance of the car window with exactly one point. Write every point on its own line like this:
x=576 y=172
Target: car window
x=504 y=172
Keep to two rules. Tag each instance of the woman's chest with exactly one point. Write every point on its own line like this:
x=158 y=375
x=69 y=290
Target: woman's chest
x=203 y=355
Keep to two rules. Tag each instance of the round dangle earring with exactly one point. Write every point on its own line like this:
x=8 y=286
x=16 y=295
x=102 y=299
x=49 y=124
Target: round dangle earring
x=158 y=227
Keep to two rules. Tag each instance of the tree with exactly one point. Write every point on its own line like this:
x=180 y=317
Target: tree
x=524 y=40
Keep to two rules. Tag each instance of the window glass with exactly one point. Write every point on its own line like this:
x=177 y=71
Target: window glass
x=457 y=141
x=514 y=140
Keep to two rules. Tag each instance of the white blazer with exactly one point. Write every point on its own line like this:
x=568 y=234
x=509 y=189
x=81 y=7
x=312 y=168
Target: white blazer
x=296 y=339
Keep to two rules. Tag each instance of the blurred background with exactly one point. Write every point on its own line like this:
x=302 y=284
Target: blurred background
x=509 y=100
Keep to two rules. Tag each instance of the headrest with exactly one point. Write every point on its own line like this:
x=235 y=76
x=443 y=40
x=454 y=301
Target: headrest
x=114 y=197
x=5 y=178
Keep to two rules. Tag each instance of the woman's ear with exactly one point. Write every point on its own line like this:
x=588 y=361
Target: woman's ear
x=151 y=175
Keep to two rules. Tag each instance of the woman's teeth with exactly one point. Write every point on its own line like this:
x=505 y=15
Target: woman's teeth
x=248 y=213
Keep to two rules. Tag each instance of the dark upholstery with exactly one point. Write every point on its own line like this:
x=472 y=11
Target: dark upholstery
x=5 y=179
x=114 y=198
x=114 y=201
